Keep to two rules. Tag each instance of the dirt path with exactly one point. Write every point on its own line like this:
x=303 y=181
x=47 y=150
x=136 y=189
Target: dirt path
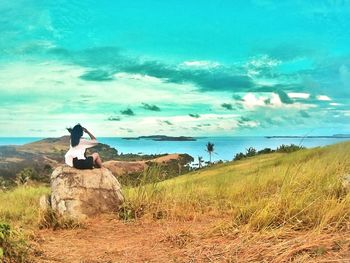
x=107 y=239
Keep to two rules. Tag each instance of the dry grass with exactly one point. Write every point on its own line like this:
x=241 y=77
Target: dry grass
x=301 y=191
x=270 y=208
x=20 y=206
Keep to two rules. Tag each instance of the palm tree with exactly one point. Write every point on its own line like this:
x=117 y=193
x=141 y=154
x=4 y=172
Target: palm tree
x=200 y=161
x=210 y=149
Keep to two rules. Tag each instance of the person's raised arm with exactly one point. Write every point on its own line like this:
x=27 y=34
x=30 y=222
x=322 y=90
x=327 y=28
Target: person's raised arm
x=90 y=134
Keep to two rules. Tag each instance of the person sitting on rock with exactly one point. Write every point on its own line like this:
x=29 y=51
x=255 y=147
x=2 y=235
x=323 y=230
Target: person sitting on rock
x=76 y=156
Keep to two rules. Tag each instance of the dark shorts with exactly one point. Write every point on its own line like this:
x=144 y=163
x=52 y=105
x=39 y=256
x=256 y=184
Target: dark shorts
x=88 y=163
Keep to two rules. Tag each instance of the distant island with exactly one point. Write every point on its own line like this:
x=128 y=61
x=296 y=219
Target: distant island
x=315 y=137
x=161 y=138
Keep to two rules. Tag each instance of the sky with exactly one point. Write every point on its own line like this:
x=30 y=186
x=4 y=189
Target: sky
x=194 y=68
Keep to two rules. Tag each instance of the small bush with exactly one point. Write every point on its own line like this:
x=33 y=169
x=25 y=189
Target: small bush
x=250 y=152
x=289 y=148
x=12 y=245
x=266 y=151
x=239 y=156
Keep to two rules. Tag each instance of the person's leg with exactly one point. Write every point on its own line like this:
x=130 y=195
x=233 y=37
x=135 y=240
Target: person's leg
x=97 y=160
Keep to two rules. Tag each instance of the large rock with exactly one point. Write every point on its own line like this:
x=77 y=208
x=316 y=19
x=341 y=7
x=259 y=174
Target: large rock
x=83 y=193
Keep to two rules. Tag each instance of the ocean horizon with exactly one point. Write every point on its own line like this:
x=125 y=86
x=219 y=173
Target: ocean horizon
x=225 y=147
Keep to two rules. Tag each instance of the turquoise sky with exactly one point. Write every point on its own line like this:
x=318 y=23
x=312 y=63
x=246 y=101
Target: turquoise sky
x=127 y=68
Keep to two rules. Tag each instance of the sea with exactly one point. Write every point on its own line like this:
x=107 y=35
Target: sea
x=225 y=148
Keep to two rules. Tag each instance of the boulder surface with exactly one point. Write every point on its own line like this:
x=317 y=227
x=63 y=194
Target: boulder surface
x=84 y=193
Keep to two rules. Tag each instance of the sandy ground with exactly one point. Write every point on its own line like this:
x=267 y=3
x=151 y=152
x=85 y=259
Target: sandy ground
x=107 y=239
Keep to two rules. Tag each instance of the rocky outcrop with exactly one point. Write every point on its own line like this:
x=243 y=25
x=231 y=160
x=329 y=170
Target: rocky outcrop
x=84 y=193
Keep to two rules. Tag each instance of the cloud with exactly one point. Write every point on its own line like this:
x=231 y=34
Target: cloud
x=245 y=122
x=140 y=77
x=194 y=115
x=96 y=75
x=150 y=107
x=128 y=112
x=128 y=130
x=261 y=65
x=114 y=118
x=251 y=101
x=284 y=97
x=166 y=122
x=201 y=64
x=237 y=97
x=323 y=98
x=335 y=104
x=222 y=81
x=227 y=106
x=289 y=51
x=298 y=95
x=196 y=89
x=304 y=114
x=271 y=100
x=108 y=62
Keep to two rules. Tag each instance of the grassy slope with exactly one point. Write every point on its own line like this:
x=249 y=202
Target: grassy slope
x=283 y=192
x=301 y=190
x=20 y=206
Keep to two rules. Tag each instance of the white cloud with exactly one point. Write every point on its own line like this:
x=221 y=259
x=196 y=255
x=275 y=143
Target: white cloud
x=251 y=101
x=66 y=99
x=271 y=100
x=250 y=124
x=200 y=64
x=298 y=95
x=323 y=98
x=140 y=77
x=275 y=101
x=263 y=61
x=219 y=123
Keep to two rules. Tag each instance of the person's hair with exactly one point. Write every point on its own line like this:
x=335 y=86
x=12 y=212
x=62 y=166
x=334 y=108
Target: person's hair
x=75 y=134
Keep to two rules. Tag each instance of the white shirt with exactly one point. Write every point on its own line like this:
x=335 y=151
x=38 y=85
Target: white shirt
x=79 y=150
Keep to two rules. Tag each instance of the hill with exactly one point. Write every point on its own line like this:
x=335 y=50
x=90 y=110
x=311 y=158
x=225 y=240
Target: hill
x=279 y=207
x=44 y=155
x=264 y=191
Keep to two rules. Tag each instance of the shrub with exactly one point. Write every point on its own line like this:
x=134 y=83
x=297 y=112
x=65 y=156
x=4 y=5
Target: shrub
x=289 y=148
x=250 y=152
x=266 y=151
x=239 y=156
x=12 y=245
